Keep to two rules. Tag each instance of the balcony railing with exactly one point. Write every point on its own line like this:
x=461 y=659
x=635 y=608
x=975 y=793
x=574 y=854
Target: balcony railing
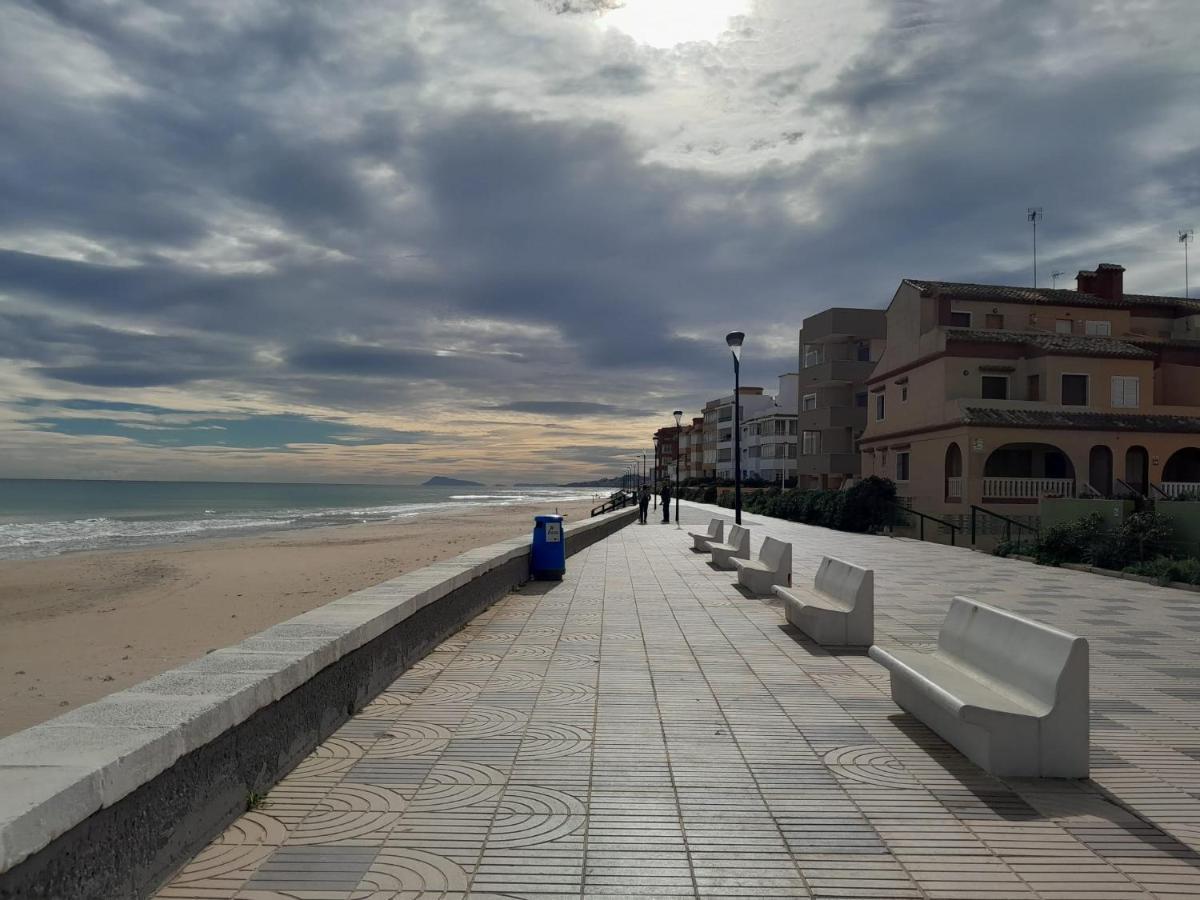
x=954 y=487
x=1175 y=488
x=1027 y=488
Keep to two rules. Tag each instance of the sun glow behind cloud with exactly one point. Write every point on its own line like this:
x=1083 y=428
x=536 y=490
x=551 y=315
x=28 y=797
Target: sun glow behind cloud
x=668 y=23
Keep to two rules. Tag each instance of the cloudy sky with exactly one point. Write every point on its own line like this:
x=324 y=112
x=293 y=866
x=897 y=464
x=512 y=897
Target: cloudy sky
x=505 y=238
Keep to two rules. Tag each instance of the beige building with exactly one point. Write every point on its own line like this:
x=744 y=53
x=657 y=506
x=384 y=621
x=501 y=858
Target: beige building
x=838 y=350
x=1000 y=396
x=717 y=441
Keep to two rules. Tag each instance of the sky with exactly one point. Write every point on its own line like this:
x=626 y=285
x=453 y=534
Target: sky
x=504 y=239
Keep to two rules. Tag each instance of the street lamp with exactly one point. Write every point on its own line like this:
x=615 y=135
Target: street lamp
x=734 y=340
x=678 y=419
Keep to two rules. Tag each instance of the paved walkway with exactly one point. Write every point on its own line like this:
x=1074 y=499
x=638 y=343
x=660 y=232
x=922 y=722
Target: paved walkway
x=644 y=729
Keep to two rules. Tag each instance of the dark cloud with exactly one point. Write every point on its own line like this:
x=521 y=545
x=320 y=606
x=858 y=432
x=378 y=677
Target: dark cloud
x=264 y=432
x=366 y=207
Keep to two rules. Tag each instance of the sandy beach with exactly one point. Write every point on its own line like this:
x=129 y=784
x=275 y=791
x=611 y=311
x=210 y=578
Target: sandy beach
x=76 y=627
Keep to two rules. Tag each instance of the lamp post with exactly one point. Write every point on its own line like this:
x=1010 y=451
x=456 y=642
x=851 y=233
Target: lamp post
x=734 y=340
x=678 y=419
x=654 y=490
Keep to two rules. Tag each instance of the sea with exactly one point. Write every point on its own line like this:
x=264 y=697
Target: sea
x=41 y=518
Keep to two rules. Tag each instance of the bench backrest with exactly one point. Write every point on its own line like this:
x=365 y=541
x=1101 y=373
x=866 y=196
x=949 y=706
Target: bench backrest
x=1020 y=653
x=845 y=582
x=739 y=538
x=716 y=528
x=774 y=553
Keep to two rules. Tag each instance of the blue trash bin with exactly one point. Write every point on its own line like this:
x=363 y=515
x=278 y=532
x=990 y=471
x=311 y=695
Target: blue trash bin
x=549 y=555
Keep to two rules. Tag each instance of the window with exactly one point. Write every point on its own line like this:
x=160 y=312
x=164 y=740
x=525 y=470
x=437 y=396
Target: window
x=860 y=399
x=879 y=408
x=791 y=426
x=1074 y=390
x=1033 y=387
x=811 y=442
x=812 y=355
x=780 y=426
x=863 y=352
x=994 y=387
x=992 y=320
x=1063 y=326
x=960 y=319
x=904 y=393
x=1098 y=328
x=1126 y=390
x=902 y=465
x=809 y=401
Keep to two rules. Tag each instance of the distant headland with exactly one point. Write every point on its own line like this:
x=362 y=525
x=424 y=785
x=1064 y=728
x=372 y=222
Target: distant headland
x=444 y=481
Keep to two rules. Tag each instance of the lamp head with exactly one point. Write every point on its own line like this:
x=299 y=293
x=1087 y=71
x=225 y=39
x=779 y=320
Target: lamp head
x=734 y=340
x=678 y=414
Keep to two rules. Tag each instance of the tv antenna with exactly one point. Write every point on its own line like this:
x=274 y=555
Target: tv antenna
x=1033 y=215
x=1186 y=236
x=1054 y=276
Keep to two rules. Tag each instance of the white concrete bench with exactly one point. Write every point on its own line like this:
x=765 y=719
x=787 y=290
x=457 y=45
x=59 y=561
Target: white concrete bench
x=839 y=609
x=773 y=566
x=714 y=535
x=737 y=547
x=1010 y=693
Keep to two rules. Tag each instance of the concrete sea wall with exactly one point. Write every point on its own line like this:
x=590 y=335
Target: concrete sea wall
x=108 y=800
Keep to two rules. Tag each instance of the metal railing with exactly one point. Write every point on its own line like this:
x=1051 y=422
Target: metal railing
x=1027 y=488
x=899 y=511
x=1175 y=488
x=617 y=500
x=1009 y=524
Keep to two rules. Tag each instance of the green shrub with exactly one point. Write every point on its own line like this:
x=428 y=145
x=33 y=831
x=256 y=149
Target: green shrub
x=1071 y=542
x=1165 y=570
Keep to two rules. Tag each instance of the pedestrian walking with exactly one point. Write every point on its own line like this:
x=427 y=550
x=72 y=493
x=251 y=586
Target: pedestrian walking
x=643 y=504
x=666 y=502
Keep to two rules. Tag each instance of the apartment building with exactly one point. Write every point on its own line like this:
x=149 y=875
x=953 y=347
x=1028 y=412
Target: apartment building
x=667 y=439
x=769 y=437
x=838 y=350
x=717 y=432
x=1000 y=396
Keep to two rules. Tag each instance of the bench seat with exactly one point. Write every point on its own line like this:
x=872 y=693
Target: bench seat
x=773 y=566
x=1009 y=692
x=838 y=609
x=714 y=535
x=737 y=547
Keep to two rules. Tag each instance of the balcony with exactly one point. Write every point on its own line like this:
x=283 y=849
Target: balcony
x=954 y=487
x=1021 y=490
x=1178 y=488
x=835 y=371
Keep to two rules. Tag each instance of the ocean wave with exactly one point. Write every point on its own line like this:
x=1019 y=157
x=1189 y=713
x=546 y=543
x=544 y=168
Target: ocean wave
x=24 y=540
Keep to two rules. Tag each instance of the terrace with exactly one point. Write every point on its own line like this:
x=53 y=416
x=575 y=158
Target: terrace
x=643 y=728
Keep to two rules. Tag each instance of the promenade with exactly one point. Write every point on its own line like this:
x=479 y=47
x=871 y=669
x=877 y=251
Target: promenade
x=645 y=729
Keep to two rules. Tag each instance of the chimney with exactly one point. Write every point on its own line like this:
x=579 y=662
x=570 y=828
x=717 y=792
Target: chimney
x=1085 y=282
x=1110 y=281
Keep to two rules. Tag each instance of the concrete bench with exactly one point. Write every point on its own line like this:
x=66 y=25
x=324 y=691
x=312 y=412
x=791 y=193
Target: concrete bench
x=714 y=535
x=839 y=609
x=773 y=566
x=737 y=547
x=1010 y=693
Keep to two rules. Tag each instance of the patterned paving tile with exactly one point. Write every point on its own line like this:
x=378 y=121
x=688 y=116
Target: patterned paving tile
x=644 y=729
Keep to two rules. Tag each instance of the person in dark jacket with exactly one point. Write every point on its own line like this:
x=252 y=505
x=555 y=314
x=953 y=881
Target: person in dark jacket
x=643 y=504
x=666 y=502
